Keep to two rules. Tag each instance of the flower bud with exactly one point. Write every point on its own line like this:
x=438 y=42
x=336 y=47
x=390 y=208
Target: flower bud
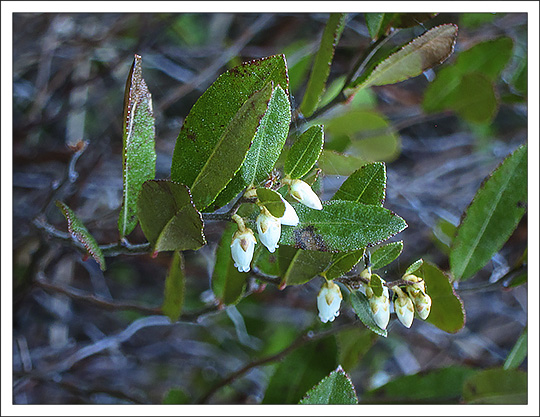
x=328 y=301
x=269 y=229
x=289 y=218
x=380 y=307
x=422 y=303
x=242 y=247
x=304 y=194
x=404 y=308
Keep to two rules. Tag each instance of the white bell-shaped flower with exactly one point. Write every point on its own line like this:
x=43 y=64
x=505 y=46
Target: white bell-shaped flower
x=380 y=307
x=302 y=192
x=242 y=247
x=269 y=229
x=404 y=308
x=329 y=301
x=422 y=304
x=289 y=218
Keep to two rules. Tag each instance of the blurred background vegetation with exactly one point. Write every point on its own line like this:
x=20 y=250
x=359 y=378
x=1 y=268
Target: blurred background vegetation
x=69 y=73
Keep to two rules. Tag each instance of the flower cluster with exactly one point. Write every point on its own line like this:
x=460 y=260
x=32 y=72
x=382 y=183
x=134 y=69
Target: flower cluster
x=268 y=226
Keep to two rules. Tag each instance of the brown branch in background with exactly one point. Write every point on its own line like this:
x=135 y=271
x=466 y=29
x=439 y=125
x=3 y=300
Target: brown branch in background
x=305 y=338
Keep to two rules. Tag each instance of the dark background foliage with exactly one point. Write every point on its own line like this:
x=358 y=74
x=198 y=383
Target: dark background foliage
x=69 y=74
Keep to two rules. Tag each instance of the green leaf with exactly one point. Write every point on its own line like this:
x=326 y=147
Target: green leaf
x=176 y=396
x=305 y=152
x=266 y=262
x=139 y=155
x=300 y=370
x=212 y=114
x=496 y=386
x=323 y=61
x=336 y=388
x=518 y=353
x=378 y=23
x=366 y=185
x=376 y=284
x=168 y=217
x=79 y=232
x=360 y=305
x=487 y=58
x=415 y=266
x=353 y=344
x=371 y=136
x=343 y=262
x=422 y=53
x=306 y=265
x=231 y=149
x=175 y=284
x=491 y=217
x=447 y=312
x=473 y=20
x=227 y=283
x=265 y=150
x=272 y=201
x=341 y=226
x=475 y=99
x=386 y=254
x=335 y=163
x=436 y=386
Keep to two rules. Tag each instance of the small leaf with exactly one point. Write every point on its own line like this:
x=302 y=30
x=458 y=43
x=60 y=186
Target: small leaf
x=343 y=262
x=305 y=152
x=213 y=112
x=231 y=149
x=475 y=99
x=265 y=150
x=139 y=155
x=300 y=370
x=386 y=254
x=447 y=312
x=341 y=226
x=168 y=217
x=492 y=216
x=436 y=386
x=518 y=353
x=360 y=304
x=323 y=61
x=378 y=23
x=366 y=185
x=422 y=53
x=79 y=231
x=272 y=201
x=227 y=283
x=174 y=288
x=415 y=266
x=376 y=284
x=336 y=388
x=306 y=265
x=496 y=386
x=335 y=163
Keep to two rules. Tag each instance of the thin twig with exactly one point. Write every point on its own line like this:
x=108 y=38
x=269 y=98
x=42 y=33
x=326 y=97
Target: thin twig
x=299 y=342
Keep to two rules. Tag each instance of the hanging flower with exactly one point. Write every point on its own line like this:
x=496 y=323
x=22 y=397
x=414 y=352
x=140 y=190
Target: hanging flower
x=329 y=301
x=289 y=218
x=269 y=229
x=417 y=293
x=404 y=307
x=303 y=193
x=242 y=247
x=380 y=307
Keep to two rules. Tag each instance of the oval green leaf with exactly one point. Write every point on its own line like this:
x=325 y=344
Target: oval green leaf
x=422 y=53
x=336 y=388
x=139 y=154
x=492 y=216
x=306 y=265
x=305 y=152
x=175 y=284
x=415 y=266
x=360 y=305
x=386 y=254
x=323 y=61
x=79 y=232
x=341 y=226
x=168 y=218
x=272 y=201
x=366 y=185
x=343 y=263
x=335 y=163
x=496 y=386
